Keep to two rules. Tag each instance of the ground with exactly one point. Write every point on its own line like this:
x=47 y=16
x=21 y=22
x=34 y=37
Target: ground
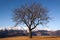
x=34 y=38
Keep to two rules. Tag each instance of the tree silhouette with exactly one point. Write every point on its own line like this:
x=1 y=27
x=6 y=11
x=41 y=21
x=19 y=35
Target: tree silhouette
x=31 y=15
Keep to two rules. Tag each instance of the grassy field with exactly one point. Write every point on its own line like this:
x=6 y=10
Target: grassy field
x=34 y=38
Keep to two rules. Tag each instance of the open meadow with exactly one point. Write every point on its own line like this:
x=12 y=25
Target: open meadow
x=34 y=38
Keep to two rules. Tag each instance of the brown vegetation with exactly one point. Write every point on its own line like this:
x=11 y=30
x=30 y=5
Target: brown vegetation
x=34 y=38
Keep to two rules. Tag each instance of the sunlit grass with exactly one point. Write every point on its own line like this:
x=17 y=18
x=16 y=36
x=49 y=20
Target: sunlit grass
x=34 y=38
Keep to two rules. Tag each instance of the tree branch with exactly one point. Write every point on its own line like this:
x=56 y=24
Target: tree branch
x=16 y=24
x=35 y=26
x=25 y=23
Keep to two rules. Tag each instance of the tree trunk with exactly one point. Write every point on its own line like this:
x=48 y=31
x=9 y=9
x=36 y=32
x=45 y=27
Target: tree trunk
x=30 y=33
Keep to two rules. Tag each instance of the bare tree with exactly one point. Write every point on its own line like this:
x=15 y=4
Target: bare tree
x=31 y=15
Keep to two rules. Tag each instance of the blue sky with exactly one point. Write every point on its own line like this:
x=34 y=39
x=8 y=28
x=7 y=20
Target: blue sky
x=7 y=7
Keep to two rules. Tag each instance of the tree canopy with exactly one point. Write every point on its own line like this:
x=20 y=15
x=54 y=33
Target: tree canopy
x=31 y=15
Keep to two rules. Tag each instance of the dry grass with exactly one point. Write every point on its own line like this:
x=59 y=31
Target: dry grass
x=34 y=38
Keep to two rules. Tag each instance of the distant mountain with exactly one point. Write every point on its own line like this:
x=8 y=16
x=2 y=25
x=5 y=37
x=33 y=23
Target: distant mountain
x=11 y=33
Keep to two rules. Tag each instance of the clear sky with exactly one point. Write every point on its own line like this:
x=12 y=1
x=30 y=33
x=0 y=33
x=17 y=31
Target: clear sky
x=7 y=7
